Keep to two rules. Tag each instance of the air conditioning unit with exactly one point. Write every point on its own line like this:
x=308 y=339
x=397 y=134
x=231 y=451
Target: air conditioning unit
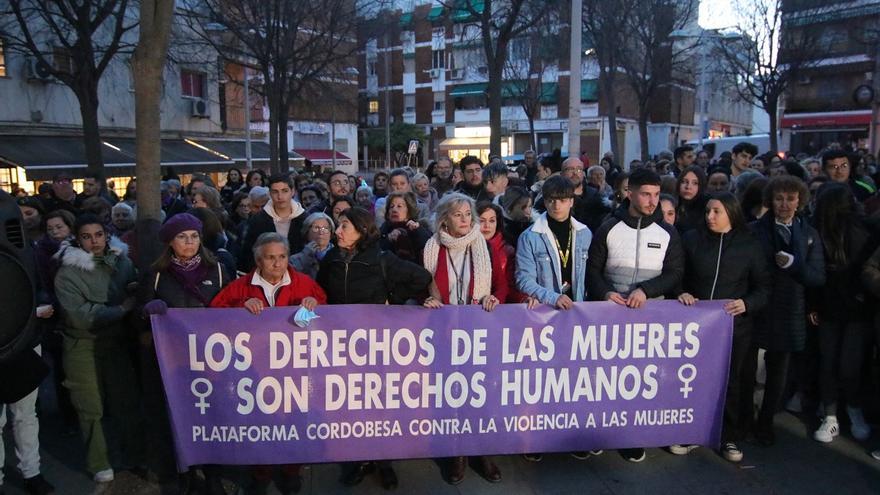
x=435 y=73
x=37 y=70
x=456 y=73
x=199 y=108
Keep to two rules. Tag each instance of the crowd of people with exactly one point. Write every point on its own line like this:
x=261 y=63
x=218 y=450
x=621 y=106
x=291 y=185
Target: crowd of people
x=790 y=243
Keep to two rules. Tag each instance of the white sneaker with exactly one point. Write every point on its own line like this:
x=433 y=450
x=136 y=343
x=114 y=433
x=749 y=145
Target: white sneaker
x=876 y=454
x=731 y=452
x=105 y=476
x=682 y=449
x=827 y=430
x=858 y=426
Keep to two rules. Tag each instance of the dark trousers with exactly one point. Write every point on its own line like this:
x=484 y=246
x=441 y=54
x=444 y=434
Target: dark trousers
x=776 y=363
x=738 y=407
x=843 y=346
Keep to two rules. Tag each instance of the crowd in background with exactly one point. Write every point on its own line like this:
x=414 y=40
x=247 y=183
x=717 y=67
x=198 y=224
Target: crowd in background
x=791 y=243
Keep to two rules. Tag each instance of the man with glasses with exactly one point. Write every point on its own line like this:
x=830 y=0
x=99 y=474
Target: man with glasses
x=442 y=181
x=588 y=208
x=63 y=197
x=837 y=166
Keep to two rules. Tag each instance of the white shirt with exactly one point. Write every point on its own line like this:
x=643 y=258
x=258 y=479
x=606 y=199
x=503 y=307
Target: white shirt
x=269 y=289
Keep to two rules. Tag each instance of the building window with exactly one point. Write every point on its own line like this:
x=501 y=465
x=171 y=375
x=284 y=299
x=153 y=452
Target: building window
x=439 y=105
x=2 y=59
x=438 y=61
x=62 y=60
x=409 y=103
x=519 y=49
x=374 y=106
x=192 y=84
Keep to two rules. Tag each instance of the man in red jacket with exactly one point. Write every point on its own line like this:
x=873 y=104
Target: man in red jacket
x=272 y=283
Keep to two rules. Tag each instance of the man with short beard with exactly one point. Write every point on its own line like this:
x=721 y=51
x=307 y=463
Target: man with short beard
x=442 y=181
x=589 y=209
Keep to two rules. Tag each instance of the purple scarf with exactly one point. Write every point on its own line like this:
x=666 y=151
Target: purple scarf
x=190 y=274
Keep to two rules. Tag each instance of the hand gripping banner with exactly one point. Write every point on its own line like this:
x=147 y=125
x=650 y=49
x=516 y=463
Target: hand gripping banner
x=395 y=382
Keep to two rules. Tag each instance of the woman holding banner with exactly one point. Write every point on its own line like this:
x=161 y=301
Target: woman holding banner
x=724 y=261
x=464 y=272
x=355 y=271
x=186 y=275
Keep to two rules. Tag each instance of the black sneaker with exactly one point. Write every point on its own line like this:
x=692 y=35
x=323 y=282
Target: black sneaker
x=37 y=486
x=633 y=455
x=580 y=455
x=533 y=457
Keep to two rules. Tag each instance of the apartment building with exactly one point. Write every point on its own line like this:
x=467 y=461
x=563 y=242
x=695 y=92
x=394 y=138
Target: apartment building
x=427 y=62
x=832 y=100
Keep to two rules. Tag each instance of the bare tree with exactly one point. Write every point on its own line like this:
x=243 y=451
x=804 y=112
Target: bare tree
x=74 y=43
x=764 y=58
x=602 y=26
x=148 y=65
x=650 y=57
x=293 y=44
x=524 y=72
x=500 y=22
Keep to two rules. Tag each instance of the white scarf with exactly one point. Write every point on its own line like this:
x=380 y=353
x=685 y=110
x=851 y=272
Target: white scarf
x=482 y=262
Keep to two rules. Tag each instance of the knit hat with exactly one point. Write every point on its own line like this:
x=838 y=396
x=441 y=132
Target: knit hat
x=177 y=224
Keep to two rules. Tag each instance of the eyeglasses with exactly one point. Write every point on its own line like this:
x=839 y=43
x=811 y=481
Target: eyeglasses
x=184 y=238
x=90 y=237
x=839 y=166
x=320 y=230
x=339 y=183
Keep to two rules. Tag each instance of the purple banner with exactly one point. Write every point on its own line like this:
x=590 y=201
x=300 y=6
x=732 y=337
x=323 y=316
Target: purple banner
x=395 y=382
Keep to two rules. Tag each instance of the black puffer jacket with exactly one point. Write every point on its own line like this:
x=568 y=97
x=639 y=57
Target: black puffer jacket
x=163 y=285
x=727 y=266
x=781 y=325
x=370 y=277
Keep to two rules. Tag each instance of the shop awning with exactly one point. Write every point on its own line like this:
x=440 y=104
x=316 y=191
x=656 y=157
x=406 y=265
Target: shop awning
x=234 y=149
x=826 y=119
x=436 y=13
x=324 y=156
x=44 y=156
x=474 y=89
x=463 y=143
x=462 y=10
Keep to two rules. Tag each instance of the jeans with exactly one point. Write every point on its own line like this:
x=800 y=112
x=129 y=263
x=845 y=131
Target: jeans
x=26 y=432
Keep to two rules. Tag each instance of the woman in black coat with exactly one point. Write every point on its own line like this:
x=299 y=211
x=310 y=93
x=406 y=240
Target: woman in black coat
x=724 y=261
x=355 y=271
x=842 y=310
x=186 y=275
x=793 y=251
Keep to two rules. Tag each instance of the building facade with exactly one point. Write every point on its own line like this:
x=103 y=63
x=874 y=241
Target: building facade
x=428 y=63
x=831 y=100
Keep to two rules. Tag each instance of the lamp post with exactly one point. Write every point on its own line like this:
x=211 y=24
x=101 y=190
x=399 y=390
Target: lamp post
x=574 y=81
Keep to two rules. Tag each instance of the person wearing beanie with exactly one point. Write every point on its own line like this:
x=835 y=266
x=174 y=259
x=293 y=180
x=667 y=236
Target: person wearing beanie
x=186 y=275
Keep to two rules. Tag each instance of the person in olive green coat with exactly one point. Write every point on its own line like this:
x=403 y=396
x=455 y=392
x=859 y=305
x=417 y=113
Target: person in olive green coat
x=93 y=287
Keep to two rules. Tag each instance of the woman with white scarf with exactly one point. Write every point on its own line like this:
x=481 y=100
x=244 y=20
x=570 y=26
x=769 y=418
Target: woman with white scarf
x=463 y=272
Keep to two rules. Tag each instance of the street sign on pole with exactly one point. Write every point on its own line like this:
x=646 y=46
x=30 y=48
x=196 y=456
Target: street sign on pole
x=413 y=146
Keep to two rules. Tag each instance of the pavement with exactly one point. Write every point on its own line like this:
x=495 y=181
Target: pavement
x=796 y=464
